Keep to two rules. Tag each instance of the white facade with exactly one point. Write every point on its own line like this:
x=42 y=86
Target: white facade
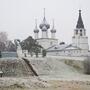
x=52 y=35
x=67 y=50
x=36 y=36
x=79 y=46
x=45 y=34
x=45 y=41
x=80 y=40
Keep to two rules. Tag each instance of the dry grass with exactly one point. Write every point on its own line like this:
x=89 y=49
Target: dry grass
x=58 y=85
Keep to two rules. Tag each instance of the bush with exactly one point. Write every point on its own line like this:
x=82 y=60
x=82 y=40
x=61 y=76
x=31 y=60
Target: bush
x=87 y=66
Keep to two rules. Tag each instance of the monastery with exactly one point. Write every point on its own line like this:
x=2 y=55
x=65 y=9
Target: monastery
x=78 y=47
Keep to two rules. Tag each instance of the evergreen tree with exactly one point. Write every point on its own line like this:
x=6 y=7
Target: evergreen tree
x=31 y=45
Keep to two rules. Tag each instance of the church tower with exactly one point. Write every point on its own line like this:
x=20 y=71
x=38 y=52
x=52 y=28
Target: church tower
x=53 y=31
x=80 y=39
x=36 y=31
x=44 y=26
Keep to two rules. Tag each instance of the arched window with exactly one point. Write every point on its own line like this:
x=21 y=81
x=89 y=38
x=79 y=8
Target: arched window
x=80 y=32
x=76 y=32
x=84 y=32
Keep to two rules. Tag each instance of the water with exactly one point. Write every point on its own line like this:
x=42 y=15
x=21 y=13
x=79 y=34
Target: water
x=9 y=54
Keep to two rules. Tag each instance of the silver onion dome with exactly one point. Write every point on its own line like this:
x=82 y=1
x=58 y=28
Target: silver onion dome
x=44 y=28
x=53 y=30
x=44 y=23
x=36 y=30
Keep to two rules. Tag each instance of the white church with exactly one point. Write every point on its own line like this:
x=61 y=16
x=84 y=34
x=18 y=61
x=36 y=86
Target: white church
x=78 y=47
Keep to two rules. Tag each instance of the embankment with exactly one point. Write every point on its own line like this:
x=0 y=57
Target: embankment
x=14 y=67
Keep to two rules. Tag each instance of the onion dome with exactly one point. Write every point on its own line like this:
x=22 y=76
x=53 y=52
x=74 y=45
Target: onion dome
x=53 y=30
x=80 y=21
x=44 y=23
x=44 y=28
x=36 y=30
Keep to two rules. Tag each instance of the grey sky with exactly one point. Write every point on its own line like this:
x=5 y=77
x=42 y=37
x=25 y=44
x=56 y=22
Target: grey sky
x=17 y=17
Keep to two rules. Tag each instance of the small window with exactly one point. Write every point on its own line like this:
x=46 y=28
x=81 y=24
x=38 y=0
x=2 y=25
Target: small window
x=76 y=32
x=80 y=32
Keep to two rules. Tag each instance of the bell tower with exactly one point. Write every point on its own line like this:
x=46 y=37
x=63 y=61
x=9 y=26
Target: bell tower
x=80 y=39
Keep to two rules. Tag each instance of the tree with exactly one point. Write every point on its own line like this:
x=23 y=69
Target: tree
x=2 y=46
x=5 y=44
x=10 y=46
x=3 y=37
x=31 y=45
x=43 y=53
x=37 y=49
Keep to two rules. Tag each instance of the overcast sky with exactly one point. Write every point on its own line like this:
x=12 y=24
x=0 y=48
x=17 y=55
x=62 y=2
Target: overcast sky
x=17 y=17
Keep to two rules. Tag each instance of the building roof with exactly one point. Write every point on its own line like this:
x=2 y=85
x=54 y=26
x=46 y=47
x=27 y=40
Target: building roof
x=63 y=47
x=44 y=22
x=36 y=30
x=53 y=30
x=80 y=21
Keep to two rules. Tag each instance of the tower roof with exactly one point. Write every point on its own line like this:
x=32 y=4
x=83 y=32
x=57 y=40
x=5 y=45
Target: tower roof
x=36 y=30
x=44 y=22
x=80 y=21
x=53 y=30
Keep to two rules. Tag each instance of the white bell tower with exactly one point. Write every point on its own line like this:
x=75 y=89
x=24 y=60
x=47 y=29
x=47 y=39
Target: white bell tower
x=80 y=39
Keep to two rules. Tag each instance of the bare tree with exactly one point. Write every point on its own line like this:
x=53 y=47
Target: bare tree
x=3 y=40
x=3 y=37
x=10 y=46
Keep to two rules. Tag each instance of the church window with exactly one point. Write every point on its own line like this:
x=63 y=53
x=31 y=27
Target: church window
x=84 y=32
x=76 y=32
x=80 y=32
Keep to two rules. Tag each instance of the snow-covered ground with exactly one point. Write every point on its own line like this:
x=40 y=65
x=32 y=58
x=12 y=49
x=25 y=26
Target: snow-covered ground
x=54 y=74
